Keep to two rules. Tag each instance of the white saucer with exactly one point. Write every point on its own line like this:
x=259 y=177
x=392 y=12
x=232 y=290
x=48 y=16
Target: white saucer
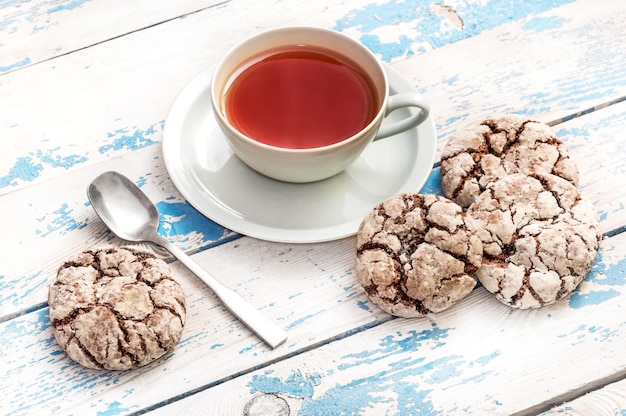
x=224 y=189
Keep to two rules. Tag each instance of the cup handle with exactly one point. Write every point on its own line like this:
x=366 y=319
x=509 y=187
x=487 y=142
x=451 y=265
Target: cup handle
x=404 y=100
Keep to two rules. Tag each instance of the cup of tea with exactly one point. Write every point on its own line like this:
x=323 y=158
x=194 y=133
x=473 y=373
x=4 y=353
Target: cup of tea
x=300 y=104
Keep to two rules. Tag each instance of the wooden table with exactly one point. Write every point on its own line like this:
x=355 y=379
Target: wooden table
x=86 y=86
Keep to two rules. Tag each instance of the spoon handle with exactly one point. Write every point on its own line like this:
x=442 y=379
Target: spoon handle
x=248 y=314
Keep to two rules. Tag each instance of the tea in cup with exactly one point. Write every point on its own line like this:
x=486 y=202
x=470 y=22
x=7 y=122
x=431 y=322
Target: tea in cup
x=300 y=104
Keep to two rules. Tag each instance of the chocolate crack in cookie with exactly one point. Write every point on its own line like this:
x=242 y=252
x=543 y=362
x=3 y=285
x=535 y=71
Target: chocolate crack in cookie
x=415 y=255
x=540 y=238
x=116 y=308
x=482 y=153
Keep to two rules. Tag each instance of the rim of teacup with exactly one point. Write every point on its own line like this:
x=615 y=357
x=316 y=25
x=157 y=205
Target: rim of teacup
x=217 y=105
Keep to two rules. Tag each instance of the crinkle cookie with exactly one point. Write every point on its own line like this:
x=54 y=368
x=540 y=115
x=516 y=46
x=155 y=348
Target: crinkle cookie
x=116 y=308
x=540 y=238
x=482 y=153
x=415 y=255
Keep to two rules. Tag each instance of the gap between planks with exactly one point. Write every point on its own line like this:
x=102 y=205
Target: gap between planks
x=589 y=110
x=291 y=354
x=130 y=32
x=572 y=395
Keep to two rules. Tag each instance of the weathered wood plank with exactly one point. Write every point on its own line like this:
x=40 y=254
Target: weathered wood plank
x=133 y=141
x=287 y=283
x=597 y=142
x=607 y=401
x=35 y=31
x=63 y=223
x=298 y=275
x=545 y=66
x=64 y=121
x=477 y=343
x=94 y=104
x=478 y=358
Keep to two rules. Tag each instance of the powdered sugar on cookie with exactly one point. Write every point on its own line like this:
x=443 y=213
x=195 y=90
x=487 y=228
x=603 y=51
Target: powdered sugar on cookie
x=482 y=153
x=116 y=308
x=540 y=238
x=415 y=256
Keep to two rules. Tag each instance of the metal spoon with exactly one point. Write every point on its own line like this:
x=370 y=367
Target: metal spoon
x=128 y=212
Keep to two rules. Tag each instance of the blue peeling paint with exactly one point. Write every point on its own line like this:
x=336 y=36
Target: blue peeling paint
x=19 y=64
x=585 y=134
x=297 y=384
x=360 y=394
x=181 y=219
x=115 y=408
x=444 y=369
x=452 y=80
x=137 y=139
x=388 y=51
x=608 y=274
x=364 y=305
x=596 y=297
x=541 y=24
x=68 y=6
x=5 y=24
x=602 y=274
x=391 y=345
x=24 y=169
x=596 y=333
x=300 y=321
x=142 y=181
x=60 y=220
x=433 y=183
x=28 y=168
x=58 y=161
x=431 y=30
x=487 y=358
x=9 y=3
x=20 y=288
x=599 y=86
x=455 y=119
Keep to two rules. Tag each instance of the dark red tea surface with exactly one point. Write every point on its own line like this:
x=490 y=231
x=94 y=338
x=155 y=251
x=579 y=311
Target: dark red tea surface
x=300 y=98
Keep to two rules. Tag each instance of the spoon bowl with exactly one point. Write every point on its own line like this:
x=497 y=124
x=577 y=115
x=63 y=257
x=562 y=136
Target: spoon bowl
x=130 y=215
x=125 y=209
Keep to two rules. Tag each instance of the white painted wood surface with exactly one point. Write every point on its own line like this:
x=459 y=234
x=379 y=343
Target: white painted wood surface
x=94 y=95
x=38 y=30
x=607 y=401
x=478 y=358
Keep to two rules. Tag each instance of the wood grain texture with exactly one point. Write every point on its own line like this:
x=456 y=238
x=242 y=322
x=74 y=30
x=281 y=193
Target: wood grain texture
x=94 y=106
x=62 y=223
x=296 y=286
x=479 y=357
x=602 y=178
x=546 y=66
x=607 y=401
x=40 y=30
x=94 y=96
x=311 y=291
x=79 y=122
x=478 y=343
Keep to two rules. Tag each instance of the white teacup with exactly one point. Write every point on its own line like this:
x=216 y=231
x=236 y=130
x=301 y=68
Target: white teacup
x=309 y=161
